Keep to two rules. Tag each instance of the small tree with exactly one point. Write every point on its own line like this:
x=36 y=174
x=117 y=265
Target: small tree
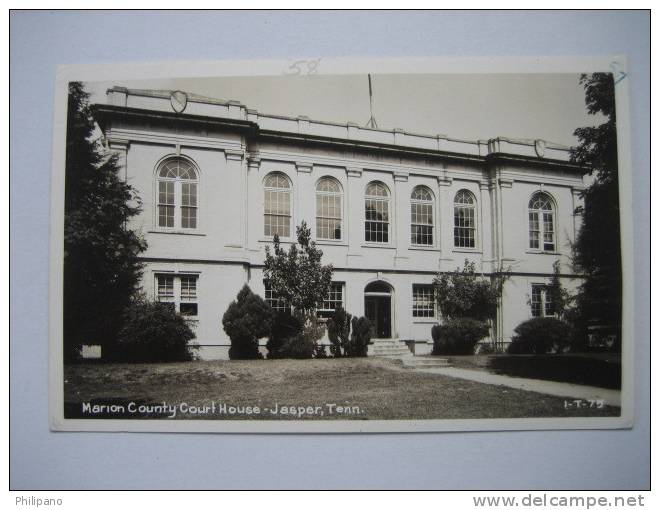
x=247 y=319
x=339 y=331
x=360 y=337
x=298 y=277
x=153 y=332
x=463 y=294
x=562 y=300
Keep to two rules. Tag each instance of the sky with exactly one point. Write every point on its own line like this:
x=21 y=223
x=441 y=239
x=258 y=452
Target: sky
x=467 y=106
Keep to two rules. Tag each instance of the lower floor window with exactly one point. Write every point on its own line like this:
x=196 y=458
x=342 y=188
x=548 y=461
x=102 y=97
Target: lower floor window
x=334 y=300
x=180 y=290
x=423 y=301
x=276 y=303
x=542 y=303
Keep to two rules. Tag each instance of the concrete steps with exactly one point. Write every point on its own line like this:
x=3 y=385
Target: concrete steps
x=388 y=348
x=394 y=349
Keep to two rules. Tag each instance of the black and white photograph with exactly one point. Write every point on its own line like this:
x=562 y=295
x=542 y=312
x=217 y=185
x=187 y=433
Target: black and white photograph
x=374 y=250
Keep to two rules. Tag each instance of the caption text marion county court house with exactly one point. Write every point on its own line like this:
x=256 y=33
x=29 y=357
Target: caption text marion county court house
x=390 y=209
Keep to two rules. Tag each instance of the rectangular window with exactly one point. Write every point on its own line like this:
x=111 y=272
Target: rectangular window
x=328 y=216
x=542 y=302
x=421 y=219
x=180 y=290
x=548 y=232
x=334 y=300
x=277 y=213
x=423 y=301
x=275 y=302
x=534 y=230
x=166 y=204
x=188 y=205
x=464 y=227
x=376 y=227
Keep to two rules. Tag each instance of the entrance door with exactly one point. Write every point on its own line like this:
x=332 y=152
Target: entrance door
x=378 y=308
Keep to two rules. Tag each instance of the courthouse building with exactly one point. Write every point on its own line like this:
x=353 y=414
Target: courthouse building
x=390 y=210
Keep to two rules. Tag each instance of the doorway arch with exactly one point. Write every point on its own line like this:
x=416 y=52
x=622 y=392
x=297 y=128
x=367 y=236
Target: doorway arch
x=379 y=307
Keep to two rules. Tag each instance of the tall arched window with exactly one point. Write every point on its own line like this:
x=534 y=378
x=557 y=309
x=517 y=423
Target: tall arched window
x=177 y=194
x=376 y=213
x=465 y=225
x=328 y=209
x=421 y=216
x=277 y=205
x=541 y=223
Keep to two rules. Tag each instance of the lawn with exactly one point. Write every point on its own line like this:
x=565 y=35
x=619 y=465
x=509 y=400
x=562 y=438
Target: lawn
x=592 y=369
x=371 y=388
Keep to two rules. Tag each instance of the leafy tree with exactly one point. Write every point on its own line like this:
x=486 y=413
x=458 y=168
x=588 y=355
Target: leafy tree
x=101 y=265
x=597 y=251
x=153 y=332
x=298 y=277
x=463 y=294
x=247 y=319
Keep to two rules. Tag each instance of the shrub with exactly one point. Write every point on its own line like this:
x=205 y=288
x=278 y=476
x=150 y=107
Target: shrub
x=539 y=336
x=360 y=337
x=320 y=352
x=153 y=332
x=246 y=320
x=339 y=331
x=284 y=326
x=458 y=336
x=297 y=347
x=304 y=344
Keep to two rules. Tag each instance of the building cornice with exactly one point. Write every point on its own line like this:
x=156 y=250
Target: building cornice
x=251 y=129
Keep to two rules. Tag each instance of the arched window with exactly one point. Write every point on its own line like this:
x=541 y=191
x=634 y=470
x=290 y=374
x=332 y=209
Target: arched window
x=177 y=194
x=421 y=216
x=465 y=226
x=541 y=223
x=277 y=205
x=376 y=213
x=328 y=209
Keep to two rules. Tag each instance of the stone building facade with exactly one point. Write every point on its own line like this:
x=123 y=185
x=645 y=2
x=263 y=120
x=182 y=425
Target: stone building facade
x=390 y=209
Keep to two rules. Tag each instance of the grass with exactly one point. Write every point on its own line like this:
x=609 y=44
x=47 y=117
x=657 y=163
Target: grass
x=380 y=388
x=592 y=369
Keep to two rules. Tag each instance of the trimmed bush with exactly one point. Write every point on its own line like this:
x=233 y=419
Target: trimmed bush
x=284 y=326
x=339 y=332
x=458 y=336
x=153 y=332
x=304 y=344
x=360 y=337
x=540 y=335
x=246 y=320
x=320 y=352
x=297 y=347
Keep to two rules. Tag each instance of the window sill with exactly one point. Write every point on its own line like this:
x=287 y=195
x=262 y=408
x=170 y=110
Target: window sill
x=386 y=246
x=541 y=252
x=283 y=240
x=330 y=242
x=423 y=248
x=466 y=250
x=176 y=232
x=429 y=320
